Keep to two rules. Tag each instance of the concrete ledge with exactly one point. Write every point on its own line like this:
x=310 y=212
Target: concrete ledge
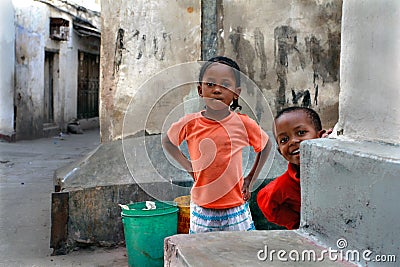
x=349 y=206
x=92 y=217
x=97 y=183
x=102 y=179
x=109 y=165
x=350 y=191
x=253 y=248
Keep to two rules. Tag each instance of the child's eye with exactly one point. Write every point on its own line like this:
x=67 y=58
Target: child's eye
x=301 y=132
x=210 y=84
x=283 y=140
x=226 y=85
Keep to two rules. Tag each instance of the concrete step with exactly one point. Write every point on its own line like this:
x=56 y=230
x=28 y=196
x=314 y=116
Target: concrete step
x=272 y=248
x=50 y=129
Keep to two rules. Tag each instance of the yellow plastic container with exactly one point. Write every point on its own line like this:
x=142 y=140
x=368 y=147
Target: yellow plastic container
x=183 y=203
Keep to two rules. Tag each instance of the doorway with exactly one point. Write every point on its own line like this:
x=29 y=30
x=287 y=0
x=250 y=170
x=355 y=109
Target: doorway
x=49 y=76
x=88 y=85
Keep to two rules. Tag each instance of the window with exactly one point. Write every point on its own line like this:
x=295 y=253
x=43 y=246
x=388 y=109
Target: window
x=59 y=29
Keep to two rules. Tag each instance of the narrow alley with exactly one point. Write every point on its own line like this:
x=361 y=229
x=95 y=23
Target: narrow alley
x=26 y=183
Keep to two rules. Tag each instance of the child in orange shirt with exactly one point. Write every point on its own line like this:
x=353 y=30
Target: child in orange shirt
x=215 y=138
x=280 y=200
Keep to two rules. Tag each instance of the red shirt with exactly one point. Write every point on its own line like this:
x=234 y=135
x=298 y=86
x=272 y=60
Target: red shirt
x=280 y=200
x=215 y=149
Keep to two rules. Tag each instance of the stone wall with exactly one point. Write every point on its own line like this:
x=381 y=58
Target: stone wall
x=140 y=39
x=290 y=49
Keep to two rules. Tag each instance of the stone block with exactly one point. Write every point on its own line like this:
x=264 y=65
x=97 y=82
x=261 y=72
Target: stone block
x=350 y=192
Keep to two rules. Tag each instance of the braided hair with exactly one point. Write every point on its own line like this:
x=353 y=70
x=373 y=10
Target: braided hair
x=236 y=71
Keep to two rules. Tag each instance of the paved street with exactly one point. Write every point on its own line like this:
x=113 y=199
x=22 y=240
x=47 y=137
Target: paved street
x=26 y=183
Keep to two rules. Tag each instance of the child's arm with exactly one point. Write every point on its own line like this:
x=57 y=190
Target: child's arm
x=177 y=154
x=275 y=209
x=259 y=162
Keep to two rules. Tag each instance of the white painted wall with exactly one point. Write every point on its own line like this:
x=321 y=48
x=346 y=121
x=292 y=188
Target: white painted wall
x=369 y=101
x=7 y=39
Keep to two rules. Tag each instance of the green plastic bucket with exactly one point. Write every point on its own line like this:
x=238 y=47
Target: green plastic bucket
x=145 y=231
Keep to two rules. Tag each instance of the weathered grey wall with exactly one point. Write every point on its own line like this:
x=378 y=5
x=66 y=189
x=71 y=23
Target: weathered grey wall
x=370 y=80
x=30 y=20
x=139 y=39
x=7 y=39
x=31 y=42
x=291 y=49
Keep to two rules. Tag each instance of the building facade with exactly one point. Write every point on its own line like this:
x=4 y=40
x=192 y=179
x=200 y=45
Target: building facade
x=56 y=68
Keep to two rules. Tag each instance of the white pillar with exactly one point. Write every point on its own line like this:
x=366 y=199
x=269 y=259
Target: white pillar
x=369 y=100
x=7 y=44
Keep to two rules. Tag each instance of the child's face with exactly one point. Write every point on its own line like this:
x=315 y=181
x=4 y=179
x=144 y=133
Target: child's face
x=218 y=87
x=290 y=130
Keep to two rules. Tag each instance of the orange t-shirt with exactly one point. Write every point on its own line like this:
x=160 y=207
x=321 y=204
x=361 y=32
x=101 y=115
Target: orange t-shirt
x=215 y=149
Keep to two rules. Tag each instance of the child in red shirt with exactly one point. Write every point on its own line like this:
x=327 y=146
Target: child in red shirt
x=280 y=200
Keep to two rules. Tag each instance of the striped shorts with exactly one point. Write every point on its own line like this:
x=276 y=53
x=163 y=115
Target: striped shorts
x=209 y=220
